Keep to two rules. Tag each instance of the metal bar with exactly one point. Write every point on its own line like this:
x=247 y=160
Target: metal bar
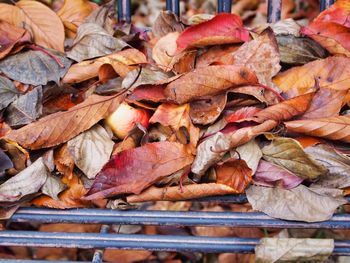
x=324 y=4
x=137 y=242
x=124 y=11
x=98 y=255
x=173 y=6
x=188 y=218
x=219 y=6
x=274 y=11
x=226 y=6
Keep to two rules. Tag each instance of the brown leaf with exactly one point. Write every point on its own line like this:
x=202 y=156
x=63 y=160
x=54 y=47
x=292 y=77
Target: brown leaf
x=208 y=81
x=235 y=174
x=53 y=129
x=64 y=161
x=133 y=170
x=41 y=21
x=217 y=55
x=165 y=23
x=126 y=256
x=122 y=63
x=174 y=193
x=164 y=50
x=333 y=128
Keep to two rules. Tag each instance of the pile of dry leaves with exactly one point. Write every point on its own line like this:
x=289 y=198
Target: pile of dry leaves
x=91 y=109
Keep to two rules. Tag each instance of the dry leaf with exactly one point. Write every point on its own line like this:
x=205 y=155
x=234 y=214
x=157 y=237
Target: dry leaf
x=165 y=23
x=249 y=152
x=164 y=51
x=217 y=55
x=41 y=21
x=63 y=161
x=53 y=186
x=8 y=92
x=52 y=129
x=133 y=170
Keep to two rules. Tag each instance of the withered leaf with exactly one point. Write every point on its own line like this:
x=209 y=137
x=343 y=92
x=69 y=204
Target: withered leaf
x=164 y=51
x=133 y=170
x=53 y=186
x=26 y=182
x=299 y=203
x=8 y=92
x=26 y=109
x=165 y=23
x=249 y=152
x=208 y=81
x=91 y=150
x=5 y=162
x=35 y=67
x=146 y=76
x=103 y=16
x=333 y=128
x=53 y=129
x=93 y=41
x=288 y=153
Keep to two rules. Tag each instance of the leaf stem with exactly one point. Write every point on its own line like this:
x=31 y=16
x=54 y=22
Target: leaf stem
x=38 y=48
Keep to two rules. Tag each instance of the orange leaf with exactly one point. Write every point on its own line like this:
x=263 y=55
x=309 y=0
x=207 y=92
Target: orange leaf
x=64 y=161
x=218 y=55
x=333 y=128
x=307 y=141
x=44 y=24
x=208 y=81
x=222 y=29
x=338 y=12
x=60 y=127
x=133 y=170
x=235 y=174
x=122 y=63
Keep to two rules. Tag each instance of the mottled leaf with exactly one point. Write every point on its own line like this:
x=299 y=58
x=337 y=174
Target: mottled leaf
x=8 y=92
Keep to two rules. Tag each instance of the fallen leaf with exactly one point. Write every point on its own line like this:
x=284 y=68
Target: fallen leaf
x=43 y=23
x=288 y=153
x=326 y=103
x=90 y=150
x=126 y=256
x=331 y=73
x=35 y=67
x=235 y=174
x=8 y=92
x=52 y=186
x=5 y=162
x=338 y=166
x=28 y=181
x=104 y=16
x=208 y=81
x=207 y=111
x=26 y=109
x=260 y=55
x=63 y=161
x=222 y=29
x=260 y=93
x=52 y=129
x=166 y=22
x=73 y=13
x=293 y=249
x=122 y=174
x=338 y=12
x=164 y=51
x=173 y=193
x=271 y=175
x=153 y=93
x=93 y=41
x=332 y=128
x=249 y=152
x=144 y=77
x=299 y=203
x=241 y=114
x=217 y=55
x=122 y=63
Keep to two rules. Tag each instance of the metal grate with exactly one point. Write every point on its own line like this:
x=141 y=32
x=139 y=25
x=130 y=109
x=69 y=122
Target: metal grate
x=102 y=240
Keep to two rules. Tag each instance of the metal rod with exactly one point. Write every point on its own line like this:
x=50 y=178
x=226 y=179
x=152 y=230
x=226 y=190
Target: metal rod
x=124 y=11
x=219 y=6
x=137 y=242
x=188 y=218
x=226 y=6
x=274 y=11
x=98 y=255
x=173 y=6
x=324 y=4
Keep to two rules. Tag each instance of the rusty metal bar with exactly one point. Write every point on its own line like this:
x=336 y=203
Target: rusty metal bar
x=274 y=10
x=124 y=11
x=173 y=6
x=324 y=4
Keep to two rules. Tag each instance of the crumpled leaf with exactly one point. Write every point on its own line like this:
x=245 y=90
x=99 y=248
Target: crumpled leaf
x=286 y=27
x=164 y=51
x=73 y=13
x=53 y=129
x=207 y=82
x=222 y=54
x=53 y=186
x=260 y=55
x=173 y=193
x=133 y=170
x=93 y=41
x=288 y=153
x=293 y=249
x=5 y=162
x=222 y=29
x=338 y=166
x=122 y=63
x=331 y=73
x=45 y=26
x=236 y=174
x=26 y=182
x=8 y=92
x=332 y=128
x=91 y=150
x=300 y=203
x=144 y=76
x=35 y=67
x=249 y=152
x=26 y=109
x=104 y=16
x=165 y=23
x=269 y=174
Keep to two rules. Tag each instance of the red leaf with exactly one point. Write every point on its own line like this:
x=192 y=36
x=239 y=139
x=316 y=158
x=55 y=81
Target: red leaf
x=222 y=29
x=133 y=170
x=242 y=114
